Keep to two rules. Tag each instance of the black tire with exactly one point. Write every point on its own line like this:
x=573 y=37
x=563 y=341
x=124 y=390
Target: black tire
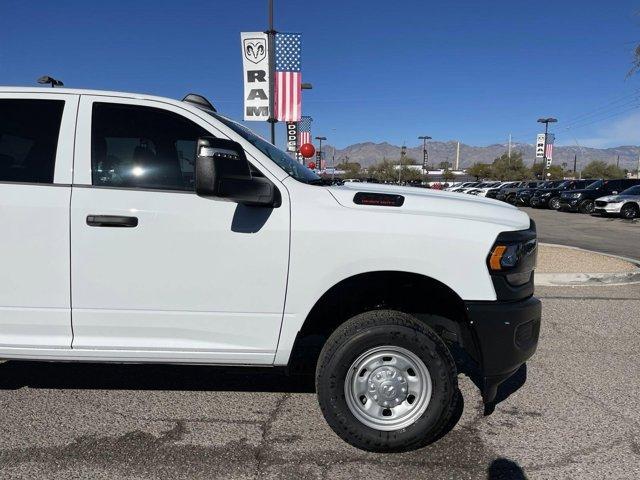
x=554 y=203
x=630 y=211
x=511 y=198
x=586 y=206
x=386 y=328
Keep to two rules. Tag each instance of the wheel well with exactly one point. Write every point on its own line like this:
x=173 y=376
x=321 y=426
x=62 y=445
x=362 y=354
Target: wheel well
x=633 y=205
x=427 y=299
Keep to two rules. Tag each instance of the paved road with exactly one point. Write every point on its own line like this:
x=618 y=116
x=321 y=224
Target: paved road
x=607 y=235
x=576 y=417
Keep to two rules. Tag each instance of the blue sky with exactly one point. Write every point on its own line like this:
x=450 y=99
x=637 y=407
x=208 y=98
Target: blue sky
x=382 y=71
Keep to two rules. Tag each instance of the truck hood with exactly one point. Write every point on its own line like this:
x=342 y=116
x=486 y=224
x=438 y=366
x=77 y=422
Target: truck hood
x=422 y=201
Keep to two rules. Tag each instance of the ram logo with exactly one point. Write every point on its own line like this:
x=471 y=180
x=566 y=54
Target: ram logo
x=255 y=49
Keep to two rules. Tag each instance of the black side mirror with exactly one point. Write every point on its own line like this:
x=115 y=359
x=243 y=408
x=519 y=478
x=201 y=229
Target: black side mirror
x=222 y=171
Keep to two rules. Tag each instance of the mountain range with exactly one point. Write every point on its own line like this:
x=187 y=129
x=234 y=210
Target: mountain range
x=369 y=153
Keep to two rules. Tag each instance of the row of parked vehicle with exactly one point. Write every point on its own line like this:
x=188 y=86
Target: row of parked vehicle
x=617 y=197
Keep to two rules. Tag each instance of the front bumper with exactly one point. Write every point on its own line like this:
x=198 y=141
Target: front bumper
x=539 y=201
x=569 y=204
x=611 y=208
x=507 y=336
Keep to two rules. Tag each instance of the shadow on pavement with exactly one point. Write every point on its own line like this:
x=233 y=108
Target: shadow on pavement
x=15 y=375
x=504 y=469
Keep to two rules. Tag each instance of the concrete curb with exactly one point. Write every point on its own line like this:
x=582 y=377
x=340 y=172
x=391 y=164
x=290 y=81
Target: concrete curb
x=589 y=279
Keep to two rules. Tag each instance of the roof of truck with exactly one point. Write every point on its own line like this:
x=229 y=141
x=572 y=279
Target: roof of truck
x=82 y=91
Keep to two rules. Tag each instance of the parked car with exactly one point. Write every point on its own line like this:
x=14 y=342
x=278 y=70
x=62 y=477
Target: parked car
x=493 y=192
x=481 y=190
x=583 y=201
x=172 y=234
x=550 y=197
x=509 y=194
x=626 y=204
x=476 y=187
x=523 y=197
x=461 y=185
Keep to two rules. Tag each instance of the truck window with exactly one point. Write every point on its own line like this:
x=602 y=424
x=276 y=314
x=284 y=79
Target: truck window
x=29 y=139
x=142 y=147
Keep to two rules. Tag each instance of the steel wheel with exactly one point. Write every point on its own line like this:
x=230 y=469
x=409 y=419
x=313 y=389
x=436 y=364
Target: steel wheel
x=554 y=203
x=388 y=388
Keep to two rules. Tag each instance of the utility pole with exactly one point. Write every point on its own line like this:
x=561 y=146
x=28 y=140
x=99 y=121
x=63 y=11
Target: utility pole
x=509 y=151
x=271 y=34
x=458 y=156
x=320 y=139
x=575 y=161
x=638 y=173
x=403 y=152
x=618 y=162
x=425 y=154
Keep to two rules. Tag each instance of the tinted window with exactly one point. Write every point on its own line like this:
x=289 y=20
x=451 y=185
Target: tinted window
x=28 y=139
x=142 y=147
x=632 y=191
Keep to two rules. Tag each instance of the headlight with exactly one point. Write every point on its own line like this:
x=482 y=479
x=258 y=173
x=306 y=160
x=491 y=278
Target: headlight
x=514 y=259
x=575 y=195
x=547 y=194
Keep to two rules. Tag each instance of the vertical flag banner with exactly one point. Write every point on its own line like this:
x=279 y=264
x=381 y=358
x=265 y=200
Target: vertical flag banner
x=255 y=69
x=304 y=130
x=540 y=145
x=549 y=150
x=287 y=91
x=292 y=136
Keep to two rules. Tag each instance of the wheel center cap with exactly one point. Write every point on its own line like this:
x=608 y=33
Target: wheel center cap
x=387 y=386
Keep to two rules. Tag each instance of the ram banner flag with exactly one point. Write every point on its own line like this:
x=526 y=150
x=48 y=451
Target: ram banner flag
x=255 y=68
x=540 y=145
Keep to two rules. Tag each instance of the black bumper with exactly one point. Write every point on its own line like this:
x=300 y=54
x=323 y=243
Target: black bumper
x=507 y=336
x=569 y=205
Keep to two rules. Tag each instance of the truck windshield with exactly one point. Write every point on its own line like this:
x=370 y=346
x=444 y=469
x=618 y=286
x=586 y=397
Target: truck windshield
x=280 y=158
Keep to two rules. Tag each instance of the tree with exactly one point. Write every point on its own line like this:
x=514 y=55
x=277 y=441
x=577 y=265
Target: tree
x=600 y=169
x=505 y=168
x=351 y=169
x=479 y=170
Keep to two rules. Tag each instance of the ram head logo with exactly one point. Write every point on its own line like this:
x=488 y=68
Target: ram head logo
x=255 y=49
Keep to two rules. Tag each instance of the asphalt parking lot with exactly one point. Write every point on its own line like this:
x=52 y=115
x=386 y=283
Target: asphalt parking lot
x=607 y=235
x=575 y=417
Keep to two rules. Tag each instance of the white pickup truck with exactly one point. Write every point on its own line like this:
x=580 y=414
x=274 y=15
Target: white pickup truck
x=144 y=229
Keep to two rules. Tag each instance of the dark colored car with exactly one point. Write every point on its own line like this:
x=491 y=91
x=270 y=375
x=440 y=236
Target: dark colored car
x=523 y=197
x=509 y=194
x=550 y=197
x=583 y=201
x=493 y=192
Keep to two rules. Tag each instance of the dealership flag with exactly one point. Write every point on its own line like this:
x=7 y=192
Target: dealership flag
x=549 y=150
x=304 y=130
x=255 y=70
x=287 y=98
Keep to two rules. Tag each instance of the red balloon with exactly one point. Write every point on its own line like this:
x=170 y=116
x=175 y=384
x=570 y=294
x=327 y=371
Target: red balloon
x=312 y=165
x=307 y=150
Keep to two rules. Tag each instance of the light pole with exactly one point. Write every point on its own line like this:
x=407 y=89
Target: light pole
x=425 y=154
x=320 y=139
x=403 y=152
x=546 y=122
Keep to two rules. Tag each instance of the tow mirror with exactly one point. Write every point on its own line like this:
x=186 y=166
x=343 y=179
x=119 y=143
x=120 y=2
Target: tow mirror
x=222 y=171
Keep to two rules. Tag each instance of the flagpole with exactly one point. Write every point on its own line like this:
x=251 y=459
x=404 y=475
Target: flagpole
x=272 y=72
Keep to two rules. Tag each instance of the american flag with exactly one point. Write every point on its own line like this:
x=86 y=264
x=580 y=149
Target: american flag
x=549 y=147
x=304 y=130
x=287 y=99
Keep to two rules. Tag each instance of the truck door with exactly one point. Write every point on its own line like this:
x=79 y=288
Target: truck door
x=158 y=272
x=36 y=158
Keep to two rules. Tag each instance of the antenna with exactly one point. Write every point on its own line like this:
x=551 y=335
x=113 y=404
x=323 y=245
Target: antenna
x=47 y=80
